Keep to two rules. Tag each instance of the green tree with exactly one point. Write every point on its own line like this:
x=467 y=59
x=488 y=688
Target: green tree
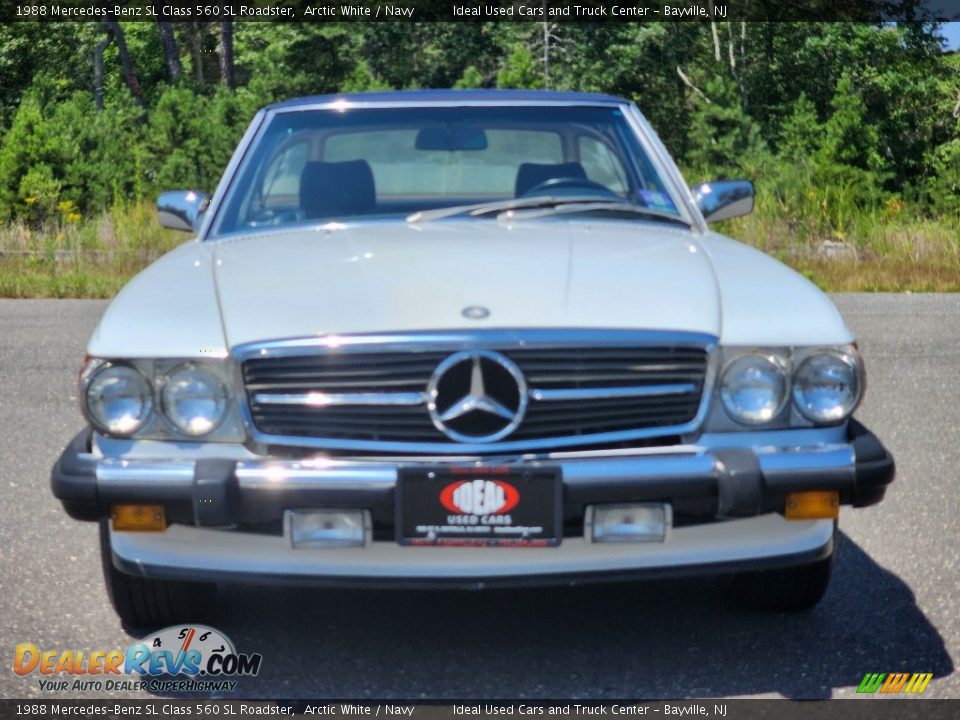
x=801 y=134
x=519 y=70
x=849 y=155
x=942 y=187
x=471 y=78
x=725 y=139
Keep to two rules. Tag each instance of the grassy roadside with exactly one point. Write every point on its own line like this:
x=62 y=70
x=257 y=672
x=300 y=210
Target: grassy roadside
x=84 y=258
x=878 y=253
x=94 y=258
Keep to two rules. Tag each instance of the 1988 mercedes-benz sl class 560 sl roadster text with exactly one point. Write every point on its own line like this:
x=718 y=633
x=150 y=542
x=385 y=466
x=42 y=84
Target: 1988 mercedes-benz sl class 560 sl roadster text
x=465 y=338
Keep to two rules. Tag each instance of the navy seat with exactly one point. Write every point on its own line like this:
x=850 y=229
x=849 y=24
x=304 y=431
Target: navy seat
x=529 y=175
x=329 y=189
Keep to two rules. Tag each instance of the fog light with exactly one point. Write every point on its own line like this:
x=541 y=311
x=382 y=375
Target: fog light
x=819 y=505
x=142 y=518
x=643 y=522
x=327 y=528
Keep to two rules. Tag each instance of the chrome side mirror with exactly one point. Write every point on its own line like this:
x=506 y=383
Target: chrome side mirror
x=182 y=209
x=725 y=199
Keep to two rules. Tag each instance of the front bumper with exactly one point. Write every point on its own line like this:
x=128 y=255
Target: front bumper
x=204 y=497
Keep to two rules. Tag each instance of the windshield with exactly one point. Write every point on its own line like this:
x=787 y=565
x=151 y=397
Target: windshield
x=311 y=166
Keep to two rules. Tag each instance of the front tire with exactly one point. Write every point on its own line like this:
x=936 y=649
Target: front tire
x=148 y=603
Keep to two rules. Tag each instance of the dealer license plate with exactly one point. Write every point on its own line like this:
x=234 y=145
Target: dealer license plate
x=512 y=506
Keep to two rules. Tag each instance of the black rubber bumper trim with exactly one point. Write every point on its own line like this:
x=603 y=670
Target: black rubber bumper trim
x=214 y=499
x=164 y=572
x=875 y=468
x=740 y=487
x=73 y=479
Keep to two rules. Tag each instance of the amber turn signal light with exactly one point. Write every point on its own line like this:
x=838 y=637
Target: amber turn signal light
x=144 y=518
x=816 y=505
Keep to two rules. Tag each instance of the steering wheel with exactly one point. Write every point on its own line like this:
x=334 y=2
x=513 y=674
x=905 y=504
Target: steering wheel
x=569 y=183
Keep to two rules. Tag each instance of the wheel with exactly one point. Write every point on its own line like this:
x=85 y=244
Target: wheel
x=793 y=589
x=148 y=603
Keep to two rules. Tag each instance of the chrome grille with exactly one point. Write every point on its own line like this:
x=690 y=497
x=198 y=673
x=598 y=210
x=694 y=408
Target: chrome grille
x=372 y=397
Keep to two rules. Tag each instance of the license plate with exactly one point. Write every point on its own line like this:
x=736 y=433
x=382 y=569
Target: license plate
x=486 y=506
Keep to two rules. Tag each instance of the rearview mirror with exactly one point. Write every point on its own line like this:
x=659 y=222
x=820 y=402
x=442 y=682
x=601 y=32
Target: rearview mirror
x=725 y=199
x=182 y=209
x=449 y=139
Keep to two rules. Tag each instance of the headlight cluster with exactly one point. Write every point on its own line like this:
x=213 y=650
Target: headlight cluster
x=825 y=386
x=121 y=400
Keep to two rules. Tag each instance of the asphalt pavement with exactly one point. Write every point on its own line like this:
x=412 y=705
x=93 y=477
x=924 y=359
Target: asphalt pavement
x=893 y=604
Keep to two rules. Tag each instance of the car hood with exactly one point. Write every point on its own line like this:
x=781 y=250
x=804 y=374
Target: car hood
x=204 y=298
x=384 y=278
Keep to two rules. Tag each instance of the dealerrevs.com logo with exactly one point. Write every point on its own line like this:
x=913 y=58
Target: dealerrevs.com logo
x=178 y=658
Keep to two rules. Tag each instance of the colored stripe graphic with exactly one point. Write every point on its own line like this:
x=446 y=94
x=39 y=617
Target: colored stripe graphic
x=871 y=682
x=892 y=683
x=918 y=682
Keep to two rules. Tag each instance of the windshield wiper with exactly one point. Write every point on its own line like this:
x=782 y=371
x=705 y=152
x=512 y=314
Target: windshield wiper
x=599 y=206
x=490 y=208
x=544 y=206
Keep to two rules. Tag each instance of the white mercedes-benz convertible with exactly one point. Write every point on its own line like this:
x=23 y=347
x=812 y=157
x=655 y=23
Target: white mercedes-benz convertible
x=465 y=338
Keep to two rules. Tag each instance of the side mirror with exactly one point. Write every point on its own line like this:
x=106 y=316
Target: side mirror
x=725 y=199
x=182 y=209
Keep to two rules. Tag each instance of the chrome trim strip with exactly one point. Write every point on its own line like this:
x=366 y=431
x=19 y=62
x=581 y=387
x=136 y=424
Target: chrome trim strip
x=789 y=460
x=681 y=466
x=264 y=441
x=454 y=340
x=211 y=219
x=344 y=104
x=319 y=399
x=112 y=471
x=310 y=473
x=664 y=163
x=451 y=340
x=681 y=462
x=611 y=392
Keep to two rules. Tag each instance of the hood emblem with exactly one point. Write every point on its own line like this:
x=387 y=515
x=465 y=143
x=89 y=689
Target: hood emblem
x=475 y=312
x=477 y=396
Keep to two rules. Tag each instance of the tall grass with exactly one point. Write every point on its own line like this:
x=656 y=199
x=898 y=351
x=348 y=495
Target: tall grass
x=72 y=257
x=843 y=246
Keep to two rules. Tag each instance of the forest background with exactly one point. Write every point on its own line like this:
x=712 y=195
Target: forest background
x=850 y=131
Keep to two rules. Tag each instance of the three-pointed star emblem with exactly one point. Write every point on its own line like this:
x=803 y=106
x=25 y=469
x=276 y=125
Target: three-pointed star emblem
x=476 y=399
x=477 y=396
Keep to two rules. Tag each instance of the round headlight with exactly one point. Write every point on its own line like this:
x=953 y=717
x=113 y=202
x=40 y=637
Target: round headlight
x=194 y=400
x=753 y=389
x=827 y=387
x=119 y=399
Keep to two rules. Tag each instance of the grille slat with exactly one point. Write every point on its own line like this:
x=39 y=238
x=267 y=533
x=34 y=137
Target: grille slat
x=625 y=414
x=573 y=379
x=543 y=368
x=414 y=384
